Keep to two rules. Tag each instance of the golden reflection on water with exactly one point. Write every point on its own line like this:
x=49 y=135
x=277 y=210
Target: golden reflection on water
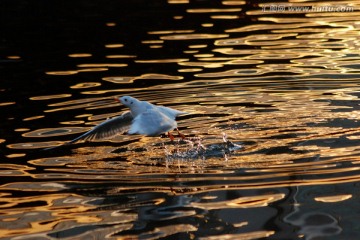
x=47 y=97
x=245 y=202
x=161 y=32
x=80 y=55
x=86 y=85
x=114 y=45
x=65 y=212
x=120 y=56
x=7 y=103
x=230 y=17
x=178 y=1
x=150 y=76
x=213 y=10
x=162 y=60
x=51 y=132
x=110 y=24
x=194 y=36
x=13 y=57
x=100 y=65
x=283 y=89
x=331 y=199
x=233 y=2
x=34 y=145
x=250 y=235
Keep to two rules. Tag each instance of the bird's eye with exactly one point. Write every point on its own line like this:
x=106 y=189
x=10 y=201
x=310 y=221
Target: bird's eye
x=125 y=99
x=131 y=103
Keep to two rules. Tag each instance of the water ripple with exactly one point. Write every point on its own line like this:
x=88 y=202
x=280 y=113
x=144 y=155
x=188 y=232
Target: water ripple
x=272 y=129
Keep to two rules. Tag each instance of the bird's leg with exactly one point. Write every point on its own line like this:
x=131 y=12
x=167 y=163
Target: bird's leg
x=180 y=134
x=171 y=136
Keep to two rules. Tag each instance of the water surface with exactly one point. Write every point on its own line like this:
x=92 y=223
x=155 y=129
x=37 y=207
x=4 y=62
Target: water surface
x=272 y=93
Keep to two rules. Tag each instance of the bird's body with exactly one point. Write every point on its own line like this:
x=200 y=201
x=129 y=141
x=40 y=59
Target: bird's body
x=143 y=118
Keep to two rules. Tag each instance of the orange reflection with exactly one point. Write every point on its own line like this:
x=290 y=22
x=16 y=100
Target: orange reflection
x=51 y=132
x=15 y=155
x=80 y=55
x=170 y=32
x=114 y=45
x=155 y=46
x=175 y=60
x=233 y=2
x=213 y=10
x=152 y=41
x=62 y=73
x=33 y=145
x=101 y=65
x=47 y=97
x=7 y=103
x=110 y=24
x=178 y=1
x=244 y=202
x=120 y=56
x=86 y=85
x=330 y=199
x=21 y=129
x=13 y=57
x=32 y=220
x=207 y=25
x=190 y=70
x=198 y=46
x=150 y=76
x=229 y=17
x=193 y=36
x=249 y=235
x=33 y=118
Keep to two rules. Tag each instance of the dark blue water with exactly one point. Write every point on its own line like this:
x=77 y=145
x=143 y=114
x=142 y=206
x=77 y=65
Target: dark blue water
x=271 y=148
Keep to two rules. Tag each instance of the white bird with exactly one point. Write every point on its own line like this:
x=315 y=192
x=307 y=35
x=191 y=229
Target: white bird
x=143 y=118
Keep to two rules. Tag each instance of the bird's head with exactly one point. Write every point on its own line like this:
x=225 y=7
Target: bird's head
x=127 y=101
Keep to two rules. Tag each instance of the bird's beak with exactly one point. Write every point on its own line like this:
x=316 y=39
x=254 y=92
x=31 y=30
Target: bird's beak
x=117 y=99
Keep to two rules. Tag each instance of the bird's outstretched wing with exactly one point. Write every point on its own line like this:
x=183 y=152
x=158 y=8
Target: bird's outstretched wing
x=107 y=129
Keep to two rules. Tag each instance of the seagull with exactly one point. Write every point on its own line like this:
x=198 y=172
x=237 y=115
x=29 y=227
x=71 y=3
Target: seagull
x=143 y=118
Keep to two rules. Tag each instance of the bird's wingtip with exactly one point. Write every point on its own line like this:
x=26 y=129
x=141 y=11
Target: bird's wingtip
x=183 y=113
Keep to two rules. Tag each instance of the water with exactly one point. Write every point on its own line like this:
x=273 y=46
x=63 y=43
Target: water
x=273 y=99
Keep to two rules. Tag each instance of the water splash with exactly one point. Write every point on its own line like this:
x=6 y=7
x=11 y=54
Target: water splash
x=196 y=148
